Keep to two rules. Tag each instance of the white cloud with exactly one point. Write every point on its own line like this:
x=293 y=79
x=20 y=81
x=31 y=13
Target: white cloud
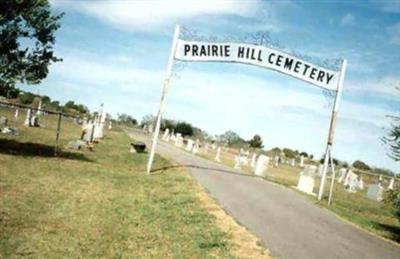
x=390 y=6
x=156 y=14
x=348 y=19
x=394 y=33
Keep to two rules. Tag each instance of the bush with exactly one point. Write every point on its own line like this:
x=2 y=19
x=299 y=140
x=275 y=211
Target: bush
x=361 y=165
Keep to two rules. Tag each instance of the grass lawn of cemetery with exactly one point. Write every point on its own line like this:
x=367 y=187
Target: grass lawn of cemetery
x=376 y=217
x=86 y=204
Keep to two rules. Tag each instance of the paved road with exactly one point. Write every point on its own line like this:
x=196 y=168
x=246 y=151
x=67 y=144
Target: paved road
x=288 y=224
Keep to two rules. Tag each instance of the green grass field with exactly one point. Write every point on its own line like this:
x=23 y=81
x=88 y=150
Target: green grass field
x=97 y=204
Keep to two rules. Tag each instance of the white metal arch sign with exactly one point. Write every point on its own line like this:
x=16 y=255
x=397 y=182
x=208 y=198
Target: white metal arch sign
x=261 y=56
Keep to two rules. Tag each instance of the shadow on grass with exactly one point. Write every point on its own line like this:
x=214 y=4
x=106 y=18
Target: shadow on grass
x=393 y=230
x=12 y=147
x=162 y=169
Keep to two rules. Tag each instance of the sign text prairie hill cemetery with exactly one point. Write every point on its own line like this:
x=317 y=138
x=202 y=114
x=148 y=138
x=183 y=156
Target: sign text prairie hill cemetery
x=259 y=56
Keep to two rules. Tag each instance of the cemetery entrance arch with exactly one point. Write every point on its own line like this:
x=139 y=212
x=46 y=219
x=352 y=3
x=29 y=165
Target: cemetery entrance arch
x=262 y=56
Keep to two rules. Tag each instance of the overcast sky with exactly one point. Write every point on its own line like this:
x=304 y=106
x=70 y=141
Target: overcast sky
x=115 y=52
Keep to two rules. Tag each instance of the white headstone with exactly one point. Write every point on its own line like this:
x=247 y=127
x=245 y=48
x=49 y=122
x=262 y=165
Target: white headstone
x=110 y=125
x=196 y=146
x=320 y=169
x=253 y=160
x=306 y=183
x=28 y=117
x=342 y=174
x=261 y=165
x=189 y=145
x=150 y=128
x=293 y=162
x=218 y=155
x=237 y=162
x=166 y=133
x=375 y=192
x=16 y=113
x=361 y=183
x=351 y=182
x=179 y=140
x=391 y=184
x=38 y=111
x=301 y=161
x=276 y=161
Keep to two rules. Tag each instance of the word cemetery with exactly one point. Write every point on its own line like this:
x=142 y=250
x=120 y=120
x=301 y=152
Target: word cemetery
x=257 y=55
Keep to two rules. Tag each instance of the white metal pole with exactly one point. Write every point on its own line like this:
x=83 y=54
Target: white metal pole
x=332 y=127
x=332 y=180
x=163 y=95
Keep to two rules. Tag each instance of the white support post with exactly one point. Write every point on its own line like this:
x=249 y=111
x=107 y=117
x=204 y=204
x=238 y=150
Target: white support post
x=332 y=180
x=332 y=127
x=163 y=95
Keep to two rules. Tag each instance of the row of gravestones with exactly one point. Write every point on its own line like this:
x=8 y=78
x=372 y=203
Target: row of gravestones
x=351 y=182
x=259 y=164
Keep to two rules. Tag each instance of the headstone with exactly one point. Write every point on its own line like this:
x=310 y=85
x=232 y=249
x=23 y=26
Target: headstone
x=150 y=128
x=27 y=121
x=391 y=184
x=342 y=174
x=196 y=147
x=166 y=134
x=179 y=140
x=110 y=125
x=301 y=161
x=38 y=111
x=189 y=145
x=3 y=121
x=77 y=144
x=261 y=165
x=306 y=180
x=244 y=159
x=361 y=183
x=253 y=160
x=320 y=169
x=88 y=132
x=35 y=121
x=16 y=113
x=237 y=162
x=276 y=161
x=351 y=181
x=218 y=155
x=293 y=162
x=375 y=192
x=380 y=179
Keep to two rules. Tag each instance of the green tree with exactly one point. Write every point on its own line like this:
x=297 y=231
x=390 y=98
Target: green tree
x=184 y=128
x=392 y=140
x=230 y=137
x=361 y=165
x=27 y=30
x=256 y=142
x=26 y=98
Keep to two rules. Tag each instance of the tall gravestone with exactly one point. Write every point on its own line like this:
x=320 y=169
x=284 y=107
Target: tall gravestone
x=218 y=155
x=306 y=180
x=28 y=118
x=189 y=145
x=261 y=165
x=375 y=192
x=253 y=160
x=302 y=161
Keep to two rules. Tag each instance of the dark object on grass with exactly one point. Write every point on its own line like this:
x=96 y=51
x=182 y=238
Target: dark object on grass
x=138 y=147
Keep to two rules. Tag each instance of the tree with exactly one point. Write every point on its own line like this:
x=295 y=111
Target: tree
x=26 y=98
x=289 y=153
x=304 y=154
x=392 y=140
x=256 y=142
x=184 y=128
x=361 y=165
x=27 y=30
x=230 y=137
